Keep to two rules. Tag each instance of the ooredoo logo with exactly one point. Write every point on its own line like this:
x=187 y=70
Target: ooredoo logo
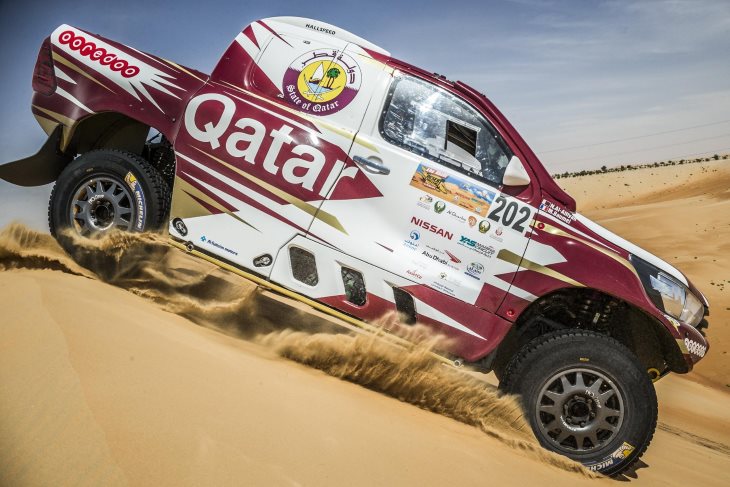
x=77 y=42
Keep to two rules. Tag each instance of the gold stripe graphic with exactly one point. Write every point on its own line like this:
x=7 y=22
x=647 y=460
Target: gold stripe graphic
x=325 y=217
x=562 y=233
x=68 y=122
x=184 y=210
x=512 y=258
x=48 y=125
x=69 y=64
x=181 y=68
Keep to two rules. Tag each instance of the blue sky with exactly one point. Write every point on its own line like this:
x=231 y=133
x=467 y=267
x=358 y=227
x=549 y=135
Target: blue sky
x=587 y=83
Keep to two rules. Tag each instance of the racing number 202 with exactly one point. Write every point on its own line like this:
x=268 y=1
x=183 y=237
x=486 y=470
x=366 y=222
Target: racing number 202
x=511 y=211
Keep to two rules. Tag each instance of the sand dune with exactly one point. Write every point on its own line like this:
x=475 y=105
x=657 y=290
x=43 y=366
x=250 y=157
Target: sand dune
x=107 y=377
x=682 y=214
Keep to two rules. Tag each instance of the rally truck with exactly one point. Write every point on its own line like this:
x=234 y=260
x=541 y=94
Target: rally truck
x=313 y=162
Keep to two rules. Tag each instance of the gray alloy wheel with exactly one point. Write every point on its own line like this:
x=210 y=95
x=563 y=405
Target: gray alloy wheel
x=105 y=190
x=101 y=203
x=579 y=410
x=586 y=396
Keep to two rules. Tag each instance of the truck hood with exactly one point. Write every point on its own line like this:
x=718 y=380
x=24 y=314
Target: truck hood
x=632 y=248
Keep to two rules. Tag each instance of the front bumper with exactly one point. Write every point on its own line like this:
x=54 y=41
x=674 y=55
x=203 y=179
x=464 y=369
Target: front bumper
x=691 y=342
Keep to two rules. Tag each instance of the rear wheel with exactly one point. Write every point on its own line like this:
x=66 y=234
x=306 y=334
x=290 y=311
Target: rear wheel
x=107 y=190
x=586 y=396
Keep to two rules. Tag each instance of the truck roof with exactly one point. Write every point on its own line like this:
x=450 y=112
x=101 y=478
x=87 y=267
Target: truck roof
x=307 y=26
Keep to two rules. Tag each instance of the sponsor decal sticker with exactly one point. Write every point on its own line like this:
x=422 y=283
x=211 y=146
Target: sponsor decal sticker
x=215 y=244
x=322 y=81
x=510 y=213
x=484 y=226
x=475 y=270
x=264 y=260
x=266 y=151
x=480 y=248
x=319 y=28
x=456 y=216
x=460 y=191
x=439 y=207
x=434 y=257
x=179 y=226
x=122 y=68
x=453 y=258
x=139 y=201
x=446 y=283
x=620 y=454
x=425 y=201
x=444 y=288
x=412 y=241
x=442 y=257
x=695 y=348
x=473 y=221
x=497 y=235
x=432 y=228
x=414 y=274
x=89 y=49
x=558 y=212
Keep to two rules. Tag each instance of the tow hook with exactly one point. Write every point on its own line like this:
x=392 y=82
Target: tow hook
x=654 y=374
x=189 y=246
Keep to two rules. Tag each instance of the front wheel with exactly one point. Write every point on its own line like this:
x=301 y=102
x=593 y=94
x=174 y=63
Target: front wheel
x=586 y=396
x=105 y=190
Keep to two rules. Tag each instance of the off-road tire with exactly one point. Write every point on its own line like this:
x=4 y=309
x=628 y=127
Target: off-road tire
x=561 y=353
x=147 y=193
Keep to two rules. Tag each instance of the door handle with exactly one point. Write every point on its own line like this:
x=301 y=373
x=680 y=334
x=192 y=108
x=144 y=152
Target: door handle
x=371 y=166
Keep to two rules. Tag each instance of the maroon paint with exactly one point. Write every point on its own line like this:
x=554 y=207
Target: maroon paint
x=100 y=99
x=331 y=152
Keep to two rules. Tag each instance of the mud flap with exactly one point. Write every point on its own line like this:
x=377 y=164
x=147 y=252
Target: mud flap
x=41 y=168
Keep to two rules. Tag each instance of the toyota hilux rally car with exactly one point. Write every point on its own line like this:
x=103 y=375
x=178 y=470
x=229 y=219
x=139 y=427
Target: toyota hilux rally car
x=313 y=162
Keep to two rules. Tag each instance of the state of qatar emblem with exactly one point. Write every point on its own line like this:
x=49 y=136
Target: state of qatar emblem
x=322 y=81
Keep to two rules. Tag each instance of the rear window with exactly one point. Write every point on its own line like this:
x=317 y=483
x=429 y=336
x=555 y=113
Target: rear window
x=431 y=122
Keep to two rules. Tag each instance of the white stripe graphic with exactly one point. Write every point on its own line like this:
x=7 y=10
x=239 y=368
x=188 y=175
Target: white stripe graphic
x=148 y=76
x=72 y=99
x=60 y=74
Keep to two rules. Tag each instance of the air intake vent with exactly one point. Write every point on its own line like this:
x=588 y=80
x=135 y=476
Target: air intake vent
x=303 y=266
x=354 y=286
x=405 y=306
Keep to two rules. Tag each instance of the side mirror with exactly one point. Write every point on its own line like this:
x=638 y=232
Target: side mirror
x=515 y=173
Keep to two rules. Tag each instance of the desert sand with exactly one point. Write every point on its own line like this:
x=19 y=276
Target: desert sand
x=144 y=366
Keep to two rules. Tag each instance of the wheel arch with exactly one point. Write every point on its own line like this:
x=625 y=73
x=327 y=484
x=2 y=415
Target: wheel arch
x=107 y=130
x=595 y=310
x=103 y=130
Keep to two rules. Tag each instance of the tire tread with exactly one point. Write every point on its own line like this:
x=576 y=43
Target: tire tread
x=513 y=371
x=161 y=191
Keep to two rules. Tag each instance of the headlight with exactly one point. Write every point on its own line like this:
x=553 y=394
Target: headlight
x=668 y=294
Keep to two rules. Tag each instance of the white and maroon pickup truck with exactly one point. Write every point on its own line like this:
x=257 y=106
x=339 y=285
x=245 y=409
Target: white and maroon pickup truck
x=313 y=162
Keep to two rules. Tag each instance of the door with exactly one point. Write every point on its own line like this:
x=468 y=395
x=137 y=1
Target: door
x=253 y=166
x=441 y=220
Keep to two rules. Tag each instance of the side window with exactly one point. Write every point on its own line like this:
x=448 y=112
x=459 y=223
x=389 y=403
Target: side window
x=435 y=124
